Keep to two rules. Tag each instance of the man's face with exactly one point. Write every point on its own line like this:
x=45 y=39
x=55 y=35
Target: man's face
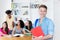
x=9 y=15
x=42 y=12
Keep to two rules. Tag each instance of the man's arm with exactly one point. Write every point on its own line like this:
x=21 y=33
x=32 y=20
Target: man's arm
x=50 y=31
x=47 y=37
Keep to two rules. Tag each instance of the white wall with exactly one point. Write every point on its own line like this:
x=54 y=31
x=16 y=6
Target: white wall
x=4 y=5
x=57 y=19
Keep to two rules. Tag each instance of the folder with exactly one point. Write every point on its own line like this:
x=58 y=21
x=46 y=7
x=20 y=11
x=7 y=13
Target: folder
x=37 y=31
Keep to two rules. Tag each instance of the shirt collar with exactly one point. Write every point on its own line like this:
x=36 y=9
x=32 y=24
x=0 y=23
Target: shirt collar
x=43 y=18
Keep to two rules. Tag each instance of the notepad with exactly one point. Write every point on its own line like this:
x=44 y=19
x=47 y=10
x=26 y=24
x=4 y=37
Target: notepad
x=37 y=31
x=18 y=35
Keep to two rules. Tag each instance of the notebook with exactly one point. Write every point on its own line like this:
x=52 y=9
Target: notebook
x=37 y=31
x=18 y=35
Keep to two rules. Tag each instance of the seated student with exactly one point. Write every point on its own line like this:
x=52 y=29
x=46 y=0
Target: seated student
x=28 y=25
x=4 y=30
x=19 y=28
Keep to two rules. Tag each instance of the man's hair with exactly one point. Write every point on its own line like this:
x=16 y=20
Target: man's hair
x=44 y=6
x=8 y=11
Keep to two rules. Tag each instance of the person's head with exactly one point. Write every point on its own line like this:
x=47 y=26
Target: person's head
x=29 y=24
x=5 y=26
x=20 y=23
x=42 y=10
x=8 y=12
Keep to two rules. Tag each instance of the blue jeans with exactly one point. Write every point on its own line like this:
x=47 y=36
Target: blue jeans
x=10 y=32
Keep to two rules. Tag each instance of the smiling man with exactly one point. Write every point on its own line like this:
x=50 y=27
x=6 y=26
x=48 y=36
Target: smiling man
x=46 y=24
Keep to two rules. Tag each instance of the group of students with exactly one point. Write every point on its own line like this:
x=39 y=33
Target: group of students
x=45 y=23
x=9 y=27
x=20 y=28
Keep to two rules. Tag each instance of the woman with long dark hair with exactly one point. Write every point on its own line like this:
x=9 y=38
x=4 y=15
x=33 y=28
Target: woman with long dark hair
x=19 y=28
x=28 y=25
x=4 y=30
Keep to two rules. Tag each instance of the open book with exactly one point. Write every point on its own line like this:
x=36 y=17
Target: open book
x=18 y=35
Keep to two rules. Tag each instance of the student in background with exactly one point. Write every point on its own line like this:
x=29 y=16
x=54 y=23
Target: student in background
x=28 y=25
x=19 y=28
x=10 y=20
x=46 y=24
x=4 y=30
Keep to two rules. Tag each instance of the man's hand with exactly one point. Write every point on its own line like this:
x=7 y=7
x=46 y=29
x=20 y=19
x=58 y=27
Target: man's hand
x=37 y=38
